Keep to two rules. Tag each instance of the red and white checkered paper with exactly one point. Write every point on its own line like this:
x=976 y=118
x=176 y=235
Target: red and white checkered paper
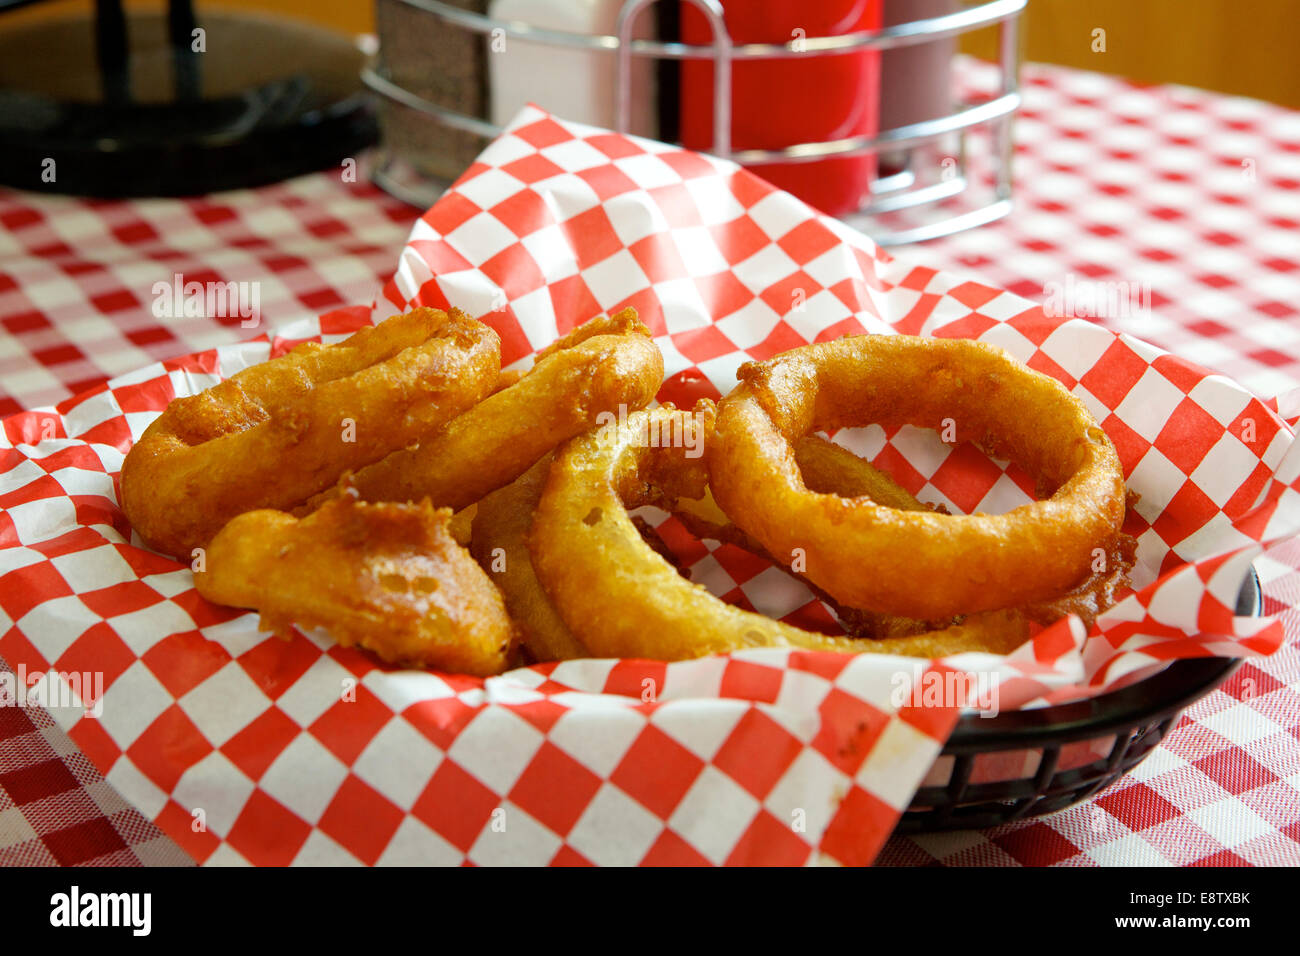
x=303 y=752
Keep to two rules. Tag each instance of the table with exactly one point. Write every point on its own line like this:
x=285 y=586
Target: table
x=1192 y=195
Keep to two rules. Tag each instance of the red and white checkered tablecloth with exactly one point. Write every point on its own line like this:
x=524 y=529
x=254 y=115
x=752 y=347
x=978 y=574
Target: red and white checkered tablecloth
x=77 y=276
x=1114 y=183
x=1194 y=195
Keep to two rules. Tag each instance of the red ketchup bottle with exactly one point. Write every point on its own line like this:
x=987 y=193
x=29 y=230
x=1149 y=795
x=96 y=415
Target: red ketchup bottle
x=802 y=99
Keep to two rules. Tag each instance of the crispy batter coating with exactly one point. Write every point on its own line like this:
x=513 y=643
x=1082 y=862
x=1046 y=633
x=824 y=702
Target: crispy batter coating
x=507 y=378
x=462 y=524
x=386 y=577
x=436 y=422
x=601 y=367
x=621 y=599
x=833 y=469
x=826 y=467
x=1095 y=593
x=624 y=322
x=499 y=542
x=919 y=564
x=273 y=435
x=990 y=632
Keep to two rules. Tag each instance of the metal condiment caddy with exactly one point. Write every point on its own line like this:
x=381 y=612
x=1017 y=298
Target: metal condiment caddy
x=937 y=192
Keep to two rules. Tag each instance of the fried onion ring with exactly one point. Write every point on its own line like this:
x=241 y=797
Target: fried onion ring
x=623 y=322
x=826 y=467
x=621 y=599
x=277 y=433
x=600 y=368
x=499 y=542
x=386 y=577
x=833 y=469
x=461 y=525
x=1096 y=593
x=919 y=564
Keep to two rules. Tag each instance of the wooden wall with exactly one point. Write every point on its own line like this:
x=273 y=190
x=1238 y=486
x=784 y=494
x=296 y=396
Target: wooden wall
x=1249 y=47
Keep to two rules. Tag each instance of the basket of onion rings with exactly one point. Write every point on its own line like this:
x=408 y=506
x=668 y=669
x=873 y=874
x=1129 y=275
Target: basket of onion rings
x=646 y=516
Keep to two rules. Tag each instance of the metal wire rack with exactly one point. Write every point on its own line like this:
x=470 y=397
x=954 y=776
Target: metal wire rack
x=926 y=190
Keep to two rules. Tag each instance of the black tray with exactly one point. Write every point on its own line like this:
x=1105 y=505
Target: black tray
x=1124 y=727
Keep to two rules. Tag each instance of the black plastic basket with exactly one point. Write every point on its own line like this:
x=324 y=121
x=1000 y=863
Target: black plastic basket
x=1121 y=728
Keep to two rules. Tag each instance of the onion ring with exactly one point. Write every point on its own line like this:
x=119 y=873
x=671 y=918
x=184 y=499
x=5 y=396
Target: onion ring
x=826 y=467
x=385 y=577
x=1096 y=593
x=623 y=322
x=600 y=368
x=499 y=543
x=621 y=599
x=461 y=525
x=833 y=469
x=277 y=433
x=919 y=564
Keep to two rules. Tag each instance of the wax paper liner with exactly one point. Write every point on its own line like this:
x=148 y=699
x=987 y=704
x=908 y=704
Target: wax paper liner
x=245 y=748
